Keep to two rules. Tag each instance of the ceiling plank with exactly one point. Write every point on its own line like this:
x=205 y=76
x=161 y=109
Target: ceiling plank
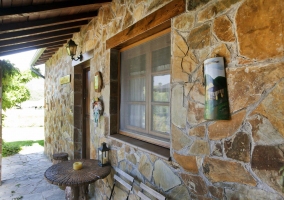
x=38 y=37
x=38 y=31
x=12 y=27
x=44 y=43
x=57 y=44
x=14 y=12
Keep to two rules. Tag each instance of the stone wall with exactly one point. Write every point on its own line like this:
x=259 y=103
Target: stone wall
x=235 y=159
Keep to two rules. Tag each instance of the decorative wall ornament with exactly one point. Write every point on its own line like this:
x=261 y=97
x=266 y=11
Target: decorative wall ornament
x=216 y=92
x=98 y=82
x=97 y=110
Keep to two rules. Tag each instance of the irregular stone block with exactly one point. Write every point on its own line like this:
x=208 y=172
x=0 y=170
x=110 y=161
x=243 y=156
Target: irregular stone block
x=217 y=150
x=199 y=37
x=184 y=22
x=195 y=113
x=128 y=20
x=238 y=148
x=179 y=140
x=244 y=192
x=260 y=29
x=187 y=162
x=267 y=158
x=179 y=192
x=222 y=50
x=180 y=47
x=156 y=4
x=198 y=131
x=216 y=192
x=213 y=9
x=196 y=3
x=145 y=167
x=226 y=171
x=195 y=184
x=242 y=94
x=131 y=158
x=263 y=132
x=199 y=147
x=178 y=112
x=164 y=177
x=224 y=129
x=223 y=29
x=272 y=107
x=138 y=12
x=197 y=93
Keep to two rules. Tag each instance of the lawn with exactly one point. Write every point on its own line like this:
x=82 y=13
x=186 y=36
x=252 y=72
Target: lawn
x=11 y=148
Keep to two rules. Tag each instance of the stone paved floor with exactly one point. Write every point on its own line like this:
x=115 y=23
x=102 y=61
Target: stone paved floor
x=23 y=177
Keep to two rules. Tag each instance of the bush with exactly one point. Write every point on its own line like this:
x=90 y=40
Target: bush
x=9 y=149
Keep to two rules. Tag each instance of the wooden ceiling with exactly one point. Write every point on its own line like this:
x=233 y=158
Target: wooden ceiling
x=33 y=24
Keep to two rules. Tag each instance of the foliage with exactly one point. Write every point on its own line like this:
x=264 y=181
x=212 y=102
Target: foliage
x=11 y=148
x=281 y=172
x=14 y=90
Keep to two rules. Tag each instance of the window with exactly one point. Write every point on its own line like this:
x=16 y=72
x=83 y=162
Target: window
x=145 y=90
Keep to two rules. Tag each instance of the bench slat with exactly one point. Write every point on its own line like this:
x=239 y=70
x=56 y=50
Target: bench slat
x=143 y=196
x=127 y=176
x=152 y=192
x=129 y=187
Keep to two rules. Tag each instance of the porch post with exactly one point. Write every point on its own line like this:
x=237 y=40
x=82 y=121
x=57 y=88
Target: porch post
x=0 y=126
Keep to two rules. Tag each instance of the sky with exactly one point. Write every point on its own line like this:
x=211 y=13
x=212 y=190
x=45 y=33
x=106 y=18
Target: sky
x=21 y=60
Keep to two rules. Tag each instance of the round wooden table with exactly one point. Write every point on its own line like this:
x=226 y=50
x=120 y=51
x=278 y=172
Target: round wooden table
x=62 y=174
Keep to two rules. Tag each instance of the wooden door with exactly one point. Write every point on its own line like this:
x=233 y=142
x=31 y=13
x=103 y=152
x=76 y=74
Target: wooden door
x=86 y=113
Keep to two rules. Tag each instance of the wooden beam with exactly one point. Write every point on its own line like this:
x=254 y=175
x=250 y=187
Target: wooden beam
x=38 y=37
x=56 y=44
x=14 y=12
x=42 y=30
x=36 y=44
x=11 y=27
x=151 y=24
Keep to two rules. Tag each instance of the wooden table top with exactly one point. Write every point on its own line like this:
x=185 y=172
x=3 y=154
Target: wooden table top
x=63 y=173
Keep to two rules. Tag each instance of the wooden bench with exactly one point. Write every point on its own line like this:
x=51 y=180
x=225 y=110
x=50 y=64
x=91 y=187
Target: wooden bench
x=119 y=179
x=152 y=192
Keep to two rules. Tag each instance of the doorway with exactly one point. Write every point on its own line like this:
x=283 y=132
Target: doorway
x=86 y=112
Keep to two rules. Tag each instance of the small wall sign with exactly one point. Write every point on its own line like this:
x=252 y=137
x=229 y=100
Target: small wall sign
x=65 y=79
x=98 y=82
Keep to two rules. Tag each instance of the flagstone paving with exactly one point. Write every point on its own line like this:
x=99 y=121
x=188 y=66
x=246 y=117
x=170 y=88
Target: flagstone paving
x=23 y=177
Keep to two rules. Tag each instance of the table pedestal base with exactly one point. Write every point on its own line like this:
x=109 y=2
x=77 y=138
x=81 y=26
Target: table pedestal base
x=76 y=192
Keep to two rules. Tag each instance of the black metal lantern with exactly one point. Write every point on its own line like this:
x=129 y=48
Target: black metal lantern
x=103 y=155
x=71 y=50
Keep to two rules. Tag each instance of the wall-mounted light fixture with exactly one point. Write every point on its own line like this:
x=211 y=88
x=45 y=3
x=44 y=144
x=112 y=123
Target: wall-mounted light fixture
x=71 y=50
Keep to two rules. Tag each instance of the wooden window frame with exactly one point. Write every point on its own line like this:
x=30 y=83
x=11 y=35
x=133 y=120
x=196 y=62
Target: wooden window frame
x=153 y=24
x=149 y=135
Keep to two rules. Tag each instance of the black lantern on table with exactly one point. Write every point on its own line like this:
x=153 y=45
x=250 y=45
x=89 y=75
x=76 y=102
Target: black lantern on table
x=103 y=155
x=71 y=50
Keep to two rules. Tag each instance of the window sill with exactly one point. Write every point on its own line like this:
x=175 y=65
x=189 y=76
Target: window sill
x=143 y=146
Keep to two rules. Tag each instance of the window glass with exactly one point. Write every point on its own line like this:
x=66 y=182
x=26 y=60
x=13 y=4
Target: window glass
x=145 y=89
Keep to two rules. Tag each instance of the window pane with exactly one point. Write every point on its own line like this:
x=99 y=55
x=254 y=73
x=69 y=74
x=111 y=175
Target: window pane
x=137 y=65
x=137 y=116
x=161 y=119
x=161 y=59
x=137 y=89
x=161 y=88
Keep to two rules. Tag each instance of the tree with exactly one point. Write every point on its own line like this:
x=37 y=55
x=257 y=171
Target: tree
x=14 y=90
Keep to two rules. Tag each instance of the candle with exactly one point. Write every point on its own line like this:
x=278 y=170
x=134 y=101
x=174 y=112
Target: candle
x=104 y=160
x=77 y=165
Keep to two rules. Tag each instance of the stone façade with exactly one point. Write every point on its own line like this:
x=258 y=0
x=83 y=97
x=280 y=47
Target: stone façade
x=210 y=159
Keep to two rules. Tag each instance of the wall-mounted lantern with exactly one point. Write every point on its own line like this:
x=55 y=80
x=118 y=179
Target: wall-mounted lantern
x=103 y=155
x=71 y=50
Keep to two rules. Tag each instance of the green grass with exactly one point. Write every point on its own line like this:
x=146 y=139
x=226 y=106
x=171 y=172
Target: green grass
x=11 y=148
